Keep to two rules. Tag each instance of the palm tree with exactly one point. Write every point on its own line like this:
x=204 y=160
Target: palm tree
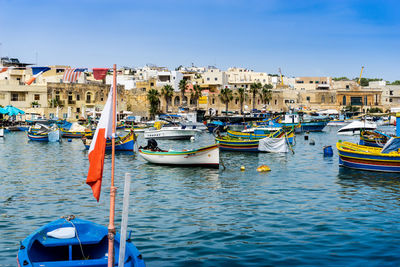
x=153 y=96
x=167 y=91
x=195 y=94
x=266 y=93
x=226 y=96
x=182 y=87
x=241 y=96
x=254 y=88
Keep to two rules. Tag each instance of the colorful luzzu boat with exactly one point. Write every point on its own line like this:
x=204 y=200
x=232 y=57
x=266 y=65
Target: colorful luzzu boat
x=228 y=143
x=386 y=159
x=74 y=134
x=373 y=138
x=124 y=143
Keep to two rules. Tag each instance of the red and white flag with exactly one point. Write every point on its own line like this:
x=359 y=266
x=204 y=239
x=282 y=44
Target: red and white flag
x=98 y=147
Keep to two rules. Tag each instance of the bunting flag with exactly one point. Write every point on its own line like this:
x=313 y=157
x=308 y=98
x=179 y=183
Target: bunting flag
x=99 y=73
x=36 y=71
x=3 y=70
x=71 y=75
x=98 y=147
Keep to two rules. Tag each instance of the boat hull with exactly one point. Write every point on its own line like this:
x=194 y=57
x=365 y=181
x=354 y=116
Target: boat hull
x=124 y=143
x=202 y=157
x=39 y=249
x=367 y=158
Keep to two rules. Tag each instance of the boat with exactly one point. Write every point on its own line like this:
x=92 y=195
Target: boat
x=301 y=124
x=1 y=132
x=373 y=138
x=228 y=143
x=44 y=133
x=370 y=158
x=170 y=131
x=122 y=143
x=258 y=133
x=355 y=127
x=207 y=156
x=74 y=130
x=70 y=241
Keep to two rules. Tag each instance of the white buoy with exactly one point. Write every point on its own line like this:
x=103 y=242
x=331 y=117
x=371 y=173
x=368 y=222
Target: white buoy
x=192 y=139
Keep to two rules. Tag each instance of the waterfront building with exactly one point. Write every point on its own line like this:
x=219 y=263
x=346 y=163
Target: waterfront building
x=363 y=97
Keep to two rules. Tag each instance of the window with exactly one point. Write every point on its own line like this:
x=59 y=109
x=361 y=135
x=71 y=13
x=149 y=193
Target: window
x=101 y=99
x=216 y=78
x=65 y=115
x=208 y=78
x=365 y=101
x=37 y=97
x=51 y=115
x=151 y=84
x=318 y=82
x=390 y=100
x=308 y=98
x=78 y=97
x=390 y=92
x=356 y=100
x=299 y=81
x=2 y=96
x=78 y=110
x=276 y=101
x=344 y=100
x=14 y=97
x=347 y=86
x=17 y=97
x=88 y=97
x=332 y=99
x=213 y=101
x=69 y=96
x=311 y=82
x=236 y=101
x=323 y=99
x=144 y=89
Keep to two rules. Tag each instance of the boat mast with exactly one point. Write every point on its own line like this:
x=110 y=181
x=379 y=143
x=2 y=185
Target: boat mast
x=113 y=189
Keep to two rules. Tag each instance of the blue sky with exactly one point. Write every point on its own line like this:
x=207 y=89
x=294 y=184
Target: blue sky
x=303 y=38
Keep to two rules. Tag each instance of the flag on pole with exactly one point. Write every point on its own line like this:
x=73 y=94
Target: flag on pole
x=71 y=75
x=99 y=73
x=3 y=70
x=36 y=72
x=98 y=147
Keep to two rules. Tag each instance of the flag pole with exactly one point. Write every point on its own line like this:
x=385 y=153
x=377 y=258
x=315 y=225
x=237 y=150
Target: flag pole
x=111 y=226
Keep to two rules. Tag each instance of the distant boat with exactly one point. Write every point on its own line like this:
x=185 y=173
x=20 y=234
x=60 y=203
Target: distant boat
x=1 y=132
x=355 y=127
x=74 y=130
x=122 y=143
x=373 y=138
x=73 y=242
x=170 y=131
x=202 y=157
x=43 y=133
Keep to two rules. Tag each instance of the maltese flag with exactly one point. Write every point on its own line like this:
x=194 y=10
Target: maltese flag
x=98 y=147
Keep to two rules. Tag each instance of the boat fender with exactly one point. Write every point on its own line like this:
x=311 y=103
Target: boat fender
x=62 y=233
x=242 y=168
x=69 y=140
x=263 y=168
x=192 y=139
x=312 y=142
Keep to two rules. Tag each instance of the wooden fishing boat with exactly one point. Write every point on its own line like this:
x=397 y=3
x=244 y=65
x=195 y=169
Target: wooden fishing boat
x=373 y=138
x=73 y=242
x=229 y=143
x=367 y=158
x=43 y=133
x=122 y=143
x=258 y=133
x=74 y=134
x=203 y=157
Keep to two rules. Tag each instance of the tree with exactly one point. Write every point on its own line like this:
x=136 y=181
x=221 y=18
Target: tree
x=241 y=96
x=397 y=82
x=254 y=88
x=226 y=96
x=182 y=87
x=266 y=93
x=195 y=94
x=153 y=96
x=167 y=91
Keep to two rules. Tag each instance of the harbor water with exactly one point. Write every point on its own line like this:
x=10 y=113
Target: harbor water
x=306 y=211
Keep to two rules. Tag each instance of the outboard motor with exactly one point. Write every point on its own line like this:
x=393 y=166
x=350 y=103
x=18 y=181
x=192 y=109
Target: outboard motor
x=151 y=145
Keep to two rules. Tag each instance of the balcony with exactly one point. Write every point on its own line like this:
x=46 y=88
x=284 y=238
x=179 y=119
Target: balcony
x=71 y=102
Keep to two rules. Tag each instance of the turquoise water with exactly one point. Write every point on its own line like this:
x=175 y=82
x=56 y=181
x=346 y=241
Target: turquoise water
x=306 y=211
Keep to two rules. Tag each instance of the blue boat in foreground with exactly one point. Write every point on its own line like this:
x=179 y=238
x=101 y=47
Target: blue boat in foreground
x=73 y=242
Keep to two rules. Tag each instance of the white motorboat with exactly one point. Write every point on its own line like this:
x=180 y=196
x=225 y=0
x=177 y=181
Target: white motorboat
x=1 y=132
x=170 y=131
x=355 y=127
